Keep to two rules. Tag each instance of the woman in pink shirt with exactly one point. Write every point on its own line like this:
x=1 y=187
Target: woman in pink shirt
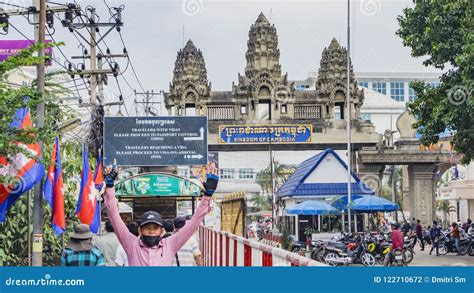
x=149 y=248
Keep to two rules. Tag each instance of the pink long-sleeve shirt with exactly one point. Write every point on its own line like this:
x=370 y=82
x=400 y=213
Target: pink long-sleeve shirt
x=161 y=255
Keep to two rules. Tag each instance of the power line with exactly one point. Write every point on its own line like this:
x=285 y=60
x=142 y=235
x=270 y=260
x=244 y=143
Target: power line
x=13 y=5
x=131 y=63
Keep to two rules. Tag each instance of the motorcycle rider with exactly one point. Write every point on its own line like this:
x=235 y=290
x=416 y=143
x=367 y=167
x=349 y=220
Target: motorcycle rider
x=470 y=231
x=456 y=235
x=435 y=232
x=397 y=243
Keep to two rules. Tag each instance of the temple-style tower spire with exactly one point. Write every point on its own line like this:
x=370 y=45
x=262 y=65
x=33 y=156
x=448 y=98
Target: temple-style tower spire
x=262 y=49
x=332 y=79
x=190 y=86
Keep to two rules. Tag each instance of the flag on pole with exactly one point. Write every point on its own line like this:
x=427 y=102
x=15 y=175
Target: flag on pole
x=87 y=205
x=98 y=175
x=25 y=169
x=54 y=191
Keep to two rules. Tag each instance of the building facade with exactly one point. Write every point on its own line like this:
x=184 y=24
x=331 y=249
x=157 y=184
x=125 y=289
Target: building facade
x=263 y=120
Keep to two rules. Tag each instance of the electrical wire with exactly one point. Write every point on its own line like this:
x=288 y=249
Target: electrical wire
x=131 y=63
x=13 y=5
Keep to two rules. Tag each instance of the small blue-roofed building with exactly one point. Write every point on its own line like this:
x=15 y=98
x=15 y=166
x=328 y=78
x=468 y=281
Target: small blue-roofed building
x=322 y=177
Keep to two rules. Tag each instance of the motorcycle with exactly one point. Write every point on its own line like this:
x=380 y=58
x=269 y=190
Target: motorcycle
x=396 y=259
x=351 y=253
x=446 y=244
x=297 y=246
x=470 y=251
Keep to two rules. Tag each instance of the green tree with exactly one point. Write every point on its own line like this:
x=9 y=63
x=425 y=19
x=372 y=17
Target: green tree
x=261 y=202
x=14 y=231
x=443 y=33
x=444 y=206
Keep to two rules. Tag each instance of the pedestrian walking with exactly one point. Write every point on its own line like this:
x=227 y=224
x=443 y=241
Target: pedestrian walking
x=435 y=233
x=121 y=258
x=108 y=244
x=150 y=248
x=189 y=255
x=419 y=234
x=80 y=251
x=456 y=235
x=413 y=225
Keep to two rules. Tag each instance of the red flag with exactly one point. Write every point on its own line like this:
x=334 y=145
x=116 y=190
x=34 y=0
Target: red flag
x=54 y=191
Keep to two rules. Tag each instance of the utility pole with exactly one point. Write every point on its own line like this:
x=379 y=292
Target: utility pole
x=348 y=115
x=147 y=101
x=96 y=73
x=40 y=31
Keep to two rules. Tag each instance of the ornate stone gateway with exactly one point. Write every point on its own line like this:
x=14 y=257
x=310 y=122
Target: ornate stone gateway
x=423 y=165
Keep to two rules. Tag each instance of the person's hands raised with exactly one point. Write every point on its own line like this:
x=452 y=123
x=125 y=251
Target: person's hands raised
x=110 y=174
x=212 y=179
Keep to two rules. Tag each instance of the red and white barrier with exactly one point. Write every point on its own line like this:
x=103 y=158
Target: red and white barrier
x=225 y=249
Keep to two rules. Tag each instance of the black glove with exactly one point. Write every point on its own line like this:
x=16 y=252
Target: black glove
x=211 y=184
x=110 y=177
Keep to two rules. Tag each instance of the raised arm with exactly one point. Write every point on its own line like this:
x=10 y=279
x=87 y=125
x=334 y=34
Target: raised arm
x=124 y=236
x=177 y=240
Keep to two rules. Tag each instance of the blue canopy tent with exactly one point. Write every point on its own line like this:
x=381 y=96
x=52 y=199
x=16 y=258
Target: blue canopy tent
x=312 y=207
x=340 y=202
x=373 y=204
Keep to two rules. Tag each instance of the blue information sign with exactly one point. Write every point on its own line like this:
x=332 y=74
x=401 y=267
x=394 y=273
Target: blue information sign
x=255 y=134
x=155 y=141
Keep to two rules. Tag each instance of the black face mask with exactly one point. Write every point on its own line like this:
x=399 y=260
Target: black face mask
x=151 y=241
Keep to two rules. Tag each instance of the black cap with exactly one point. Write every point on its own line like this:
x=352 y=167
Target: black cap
x=179 y=222
x=151 y=217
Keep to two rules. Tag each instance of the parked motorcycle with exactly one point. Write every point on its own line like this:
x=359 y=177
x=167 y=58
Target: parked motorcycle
x=345 y=254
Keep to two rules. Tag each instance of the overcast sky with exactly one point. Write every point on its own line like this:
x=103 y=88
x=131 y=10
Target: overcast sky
x=153 y=32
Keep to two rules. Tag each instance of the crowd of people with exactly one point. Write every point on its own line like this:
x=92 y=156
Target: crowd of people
x=434 y=233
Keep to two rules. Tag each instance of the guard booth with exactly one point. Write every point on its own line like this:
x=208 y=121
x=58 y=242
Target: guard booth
x=168 y=194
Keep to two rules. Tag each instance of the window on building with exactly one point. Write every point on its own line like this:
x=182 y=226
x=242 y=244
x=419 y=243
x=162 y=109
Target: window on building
x=397 y=91
x=411 y=94
x=284 y=109
x=243 y=109
x=183 y=171
x=307 y=112
x=366 y=116
x=226 y=173
x=246 y=173
x=433 y=84
x=364 y=84
x=190 y=110
x=380 y=86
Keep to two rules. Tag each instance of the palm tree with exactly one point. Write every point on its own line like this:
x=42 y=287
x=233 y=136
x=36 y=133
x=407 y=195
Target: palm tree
x=443 y=206
x=261 y=202
x=264 y=178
